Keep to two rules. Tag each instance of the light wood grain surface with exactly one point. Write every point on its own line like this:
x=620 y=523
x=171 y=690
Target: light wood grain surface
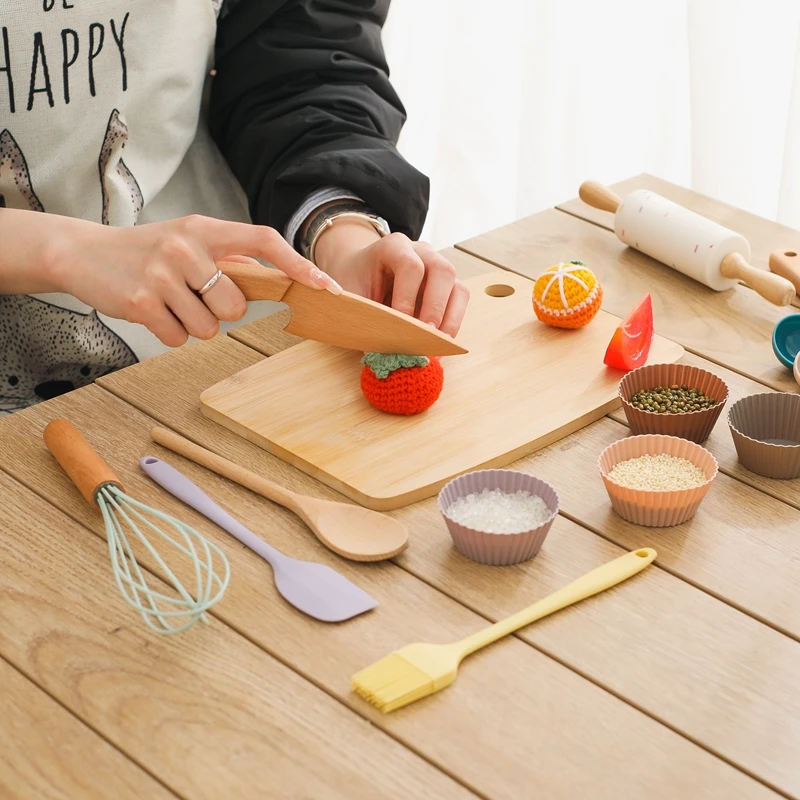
x=688 y=678
x=48 y=754
x=680 y=682
x=581 y=731
x=732 y=328
x=385 y=461
x=208 y=713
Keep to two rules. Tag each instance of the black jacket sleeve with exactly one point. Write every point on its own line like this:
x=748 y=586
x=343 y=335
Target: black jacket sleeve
x=302 y=100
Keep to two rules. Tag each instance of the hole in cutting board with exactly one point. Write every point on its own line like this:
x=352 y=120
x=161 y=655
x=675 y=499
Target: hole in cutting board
x=499 y=290
x=790 y=254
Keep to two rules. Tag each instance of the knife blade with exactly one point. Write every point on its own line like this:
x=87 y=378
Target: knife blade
x=346 y=320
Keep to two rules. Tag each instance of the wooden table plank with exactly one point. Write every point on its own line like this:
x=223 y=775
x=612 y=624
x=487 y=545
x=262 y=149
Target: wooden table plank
x=731 y=328
x=672 y=677
x=764 y=235
x=47 y=753
x=207 y=712
x=497 y=730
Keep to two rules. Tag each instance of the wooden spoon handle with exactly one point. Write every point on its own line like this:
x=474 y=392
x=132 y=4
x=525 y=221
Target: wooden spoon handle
x=256 y=282
x=85 y=467
x=598 y=196
x=771 y=287
x=227 y=469
x=786 y=263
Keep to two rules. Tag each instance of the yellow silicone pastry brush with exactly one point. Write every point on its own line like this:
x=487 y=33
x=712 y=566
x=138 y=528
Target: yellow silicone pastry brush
x=418 y=670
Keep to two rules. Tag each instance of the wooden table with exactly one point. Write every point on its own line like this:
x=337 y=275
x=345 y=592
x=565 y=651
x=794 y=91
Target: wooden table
x=681 y=683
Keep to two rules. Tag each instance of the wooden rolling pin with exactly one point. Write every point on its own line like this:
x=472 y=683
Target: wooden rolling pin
x=688 y=242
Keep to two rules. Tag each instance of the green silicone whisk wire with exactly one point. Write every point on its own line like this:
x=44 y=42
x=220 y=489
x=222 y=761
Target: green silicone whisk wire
x=162 y=613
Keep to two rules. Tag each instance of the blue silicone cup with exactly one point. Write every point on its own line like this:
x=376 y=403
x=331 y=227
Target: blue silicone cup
x=786 y=340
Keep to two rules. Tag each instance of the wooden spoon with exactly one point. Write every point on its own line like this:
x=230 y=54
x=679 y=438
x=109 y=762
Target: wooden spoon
x=351 y=531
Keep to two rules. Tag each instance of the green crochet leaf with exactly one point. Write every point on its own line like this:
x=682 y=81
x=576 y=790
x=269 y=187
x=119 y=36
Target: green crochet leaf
x=579 y=263
x=383 y=364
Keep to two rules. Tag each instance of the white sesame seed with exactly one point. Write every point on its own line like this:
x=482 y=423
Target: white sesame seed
x=659 y=473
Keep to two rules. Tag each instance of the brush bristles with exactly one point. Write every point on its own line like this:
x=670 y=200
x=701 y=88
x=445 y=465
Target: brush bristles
x=392 y=683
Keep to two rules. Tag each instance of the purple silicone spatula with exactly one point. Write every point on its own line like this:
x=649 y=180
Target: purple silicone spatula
x=315 y=589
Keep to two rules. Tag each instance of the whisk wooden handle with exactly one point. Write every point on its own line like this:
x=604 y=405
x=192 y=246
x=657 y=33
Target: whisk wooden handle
x=78 y=459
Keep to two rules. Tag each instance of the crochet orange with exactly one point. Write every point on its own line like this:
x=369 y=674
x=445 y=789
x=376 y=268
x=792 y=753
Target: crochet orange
x=568 y=295
x=400 y=384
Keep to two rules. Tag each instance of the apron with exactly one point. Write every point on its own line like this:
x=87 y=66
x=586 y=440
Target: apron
x=102 y=118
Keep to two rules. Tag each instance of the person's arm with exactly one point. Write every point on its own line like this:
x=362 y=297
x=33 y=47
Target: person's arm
x=150 y=274
x=301 y=100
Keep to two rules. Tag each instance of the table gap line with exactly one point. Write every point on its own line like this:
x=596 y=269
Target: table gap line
x=517 y=635
x=88 y=725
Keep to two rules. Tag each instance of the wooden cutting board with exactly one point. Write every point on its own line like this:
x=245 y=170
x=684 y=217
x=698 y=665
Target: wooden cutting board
x=522 y=386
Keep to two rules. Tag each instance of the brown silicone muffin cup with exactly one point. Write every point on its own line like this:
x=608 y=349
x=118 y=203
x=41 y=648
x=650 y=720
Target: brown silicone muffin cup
x=497 y=549
x=696 y=426
x=766 y=432
x=649 y=508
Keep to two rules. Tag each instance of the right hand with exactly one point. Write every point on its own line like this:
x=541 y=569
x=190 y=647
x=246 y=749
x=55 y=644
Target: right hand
x=150 y=274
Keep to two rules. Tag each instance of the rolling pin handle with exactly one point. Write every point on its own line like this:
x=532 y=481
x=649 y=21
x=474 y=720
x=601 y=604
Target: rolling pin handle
x=598 y=196
x=786 y=263
x=771 y=287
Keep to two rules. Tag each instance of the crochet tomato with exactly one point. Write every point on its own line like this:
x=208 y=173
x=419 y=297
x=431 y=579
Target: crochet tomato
x=401 y=384
x=630 y=344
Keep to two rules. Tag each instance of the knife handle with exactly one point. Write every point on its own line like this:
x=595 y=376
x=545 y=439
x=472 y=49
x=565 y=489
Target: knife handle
x=257 y=282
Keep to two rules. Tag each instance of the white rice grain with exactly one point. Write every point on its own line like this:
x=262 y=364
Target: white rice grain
x=494 y=511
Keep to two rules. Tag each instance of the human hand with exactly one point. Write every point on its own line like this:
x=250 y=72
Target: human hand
x=150 y=274
x=409 y=276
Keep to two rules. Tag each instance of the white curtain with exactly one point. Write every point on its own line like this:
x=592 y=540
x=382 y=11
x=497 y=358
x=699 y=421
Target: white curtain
x=513 y=103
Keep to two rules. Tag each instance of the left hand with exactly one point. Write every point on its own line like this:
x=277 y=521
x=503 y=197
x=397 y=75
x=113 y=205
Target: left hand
x=409 y=276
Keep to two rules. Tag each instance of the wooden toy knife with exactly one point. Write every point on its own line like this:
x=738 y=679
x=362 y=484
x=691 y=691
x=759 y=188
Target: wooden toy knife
x=346 y=320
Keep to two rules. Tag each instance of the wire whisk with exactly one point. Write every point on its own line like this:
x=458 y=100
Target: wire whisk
x=126 y=521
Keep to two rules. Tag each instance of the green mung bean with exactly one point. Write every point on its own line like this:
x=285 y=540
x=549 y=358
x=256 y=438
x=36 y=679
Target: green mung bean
x=672 y=400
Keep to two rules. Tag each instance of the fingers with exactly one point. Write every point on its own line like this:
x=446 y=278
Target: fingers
x=440 y=278
x=222 y=238
x=167 y=328
x=408 y=272
x=423 y=283
x=456 y=308
x=225 y=300
x=146 y=310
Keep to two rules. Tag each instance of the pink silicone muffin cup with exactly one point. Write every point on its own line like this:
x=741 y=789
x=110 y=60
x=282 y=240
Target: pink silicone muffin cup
x=497 y=549
x=694 y=425
x=656 y=509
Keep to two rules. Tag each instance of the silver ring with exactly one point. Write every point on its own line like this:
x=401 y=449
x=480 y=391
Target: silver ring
x=216 y=277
